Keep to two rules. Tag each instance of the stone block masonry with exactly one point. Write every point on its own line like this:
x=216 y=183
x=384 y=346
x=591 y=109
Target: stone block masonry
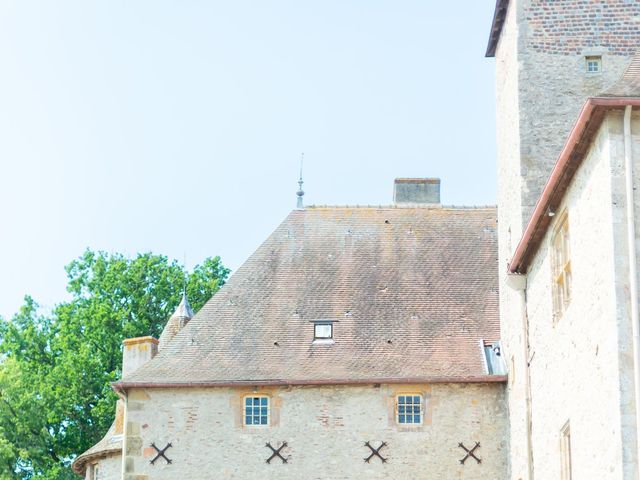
x=591 y=339
x=549 y=41
x=542 y=84
x=325 y=429
x=567 y=27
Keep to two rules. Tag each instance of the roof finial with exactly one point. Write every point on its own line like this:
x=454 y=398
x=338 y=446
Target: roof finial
x=300 y=192
x=185 y=274
x=184 y=311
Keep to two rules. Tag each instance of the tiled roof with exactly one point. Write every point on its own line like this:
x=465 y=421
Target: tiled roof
x=111 y=444
x=412 y=292
x=629 y=83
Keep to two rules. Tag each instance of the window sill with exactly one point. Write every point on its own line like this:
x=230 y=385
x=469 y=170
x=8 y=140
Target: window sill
x=403 y=427
x=323 y=341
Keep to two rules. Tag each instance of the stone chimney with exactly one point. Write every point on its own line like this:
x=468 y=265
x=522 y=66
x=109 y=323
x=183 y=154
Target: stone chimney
x=416 y=191
x=137 y=352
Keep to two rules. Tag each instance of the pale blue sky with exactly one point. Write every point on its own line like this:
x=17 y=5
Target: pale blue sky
x=176 y=126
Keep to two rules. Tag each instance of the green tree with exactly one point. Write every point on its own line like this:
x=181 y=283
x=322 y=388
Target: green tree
x=56 y=369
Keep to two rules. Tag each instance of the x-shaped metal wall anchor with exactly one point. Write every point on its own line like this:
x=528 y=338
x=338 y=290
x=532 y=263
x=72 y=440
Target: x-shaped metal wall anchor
x=276 y=452
x=470 y=453
x=161 y=453
x=375 y=452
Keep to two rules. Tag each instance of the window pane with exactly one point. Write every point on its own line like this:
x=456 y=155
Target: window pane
x=409 y=409
x=323 y=330
x=256 y=411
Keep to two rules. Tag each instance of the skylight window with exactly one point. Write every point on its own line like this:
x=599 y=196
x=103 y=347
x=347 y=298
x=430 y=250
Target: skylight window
x=323 y=331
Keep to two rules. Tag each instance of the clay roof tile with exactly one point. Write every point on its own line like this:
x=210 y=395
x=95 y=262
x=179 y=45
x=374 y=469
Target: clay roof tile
x=412 y=292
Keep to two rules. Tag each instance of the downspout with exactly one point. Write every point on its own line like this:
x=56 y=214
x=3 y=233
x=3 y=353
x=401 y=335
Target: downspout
x=519 y=282
x=633 y=273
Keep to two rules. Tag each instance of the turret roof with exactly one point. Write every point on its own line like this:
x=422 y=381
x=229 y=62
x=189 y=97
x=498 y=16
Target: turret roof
x=179 y=319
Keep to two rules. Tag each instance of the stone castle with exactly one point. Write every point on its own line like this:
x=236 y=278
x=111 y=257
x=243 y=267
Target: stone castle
x=424 y=341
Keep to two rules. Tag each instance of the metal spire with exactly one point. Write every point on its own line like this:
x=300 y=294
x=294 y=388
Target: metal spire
x=184 y=311
x=300 y=192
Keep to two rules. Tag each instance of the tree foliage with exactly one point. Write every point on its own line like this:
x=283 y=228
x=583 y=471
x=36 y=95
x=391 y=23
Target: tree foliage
x=56 y=368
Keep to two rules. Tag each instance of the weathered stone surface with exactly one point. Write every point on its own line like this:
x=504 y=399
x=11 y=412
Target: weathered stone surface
x=542 y=84
x=325 y=429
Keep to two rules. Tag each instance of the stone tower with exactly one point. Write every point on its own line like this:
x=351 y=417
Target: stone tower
x=551 y=55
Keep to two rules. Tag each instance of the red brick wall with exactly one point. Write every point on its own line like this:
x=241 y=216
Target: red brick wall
x=569 y=26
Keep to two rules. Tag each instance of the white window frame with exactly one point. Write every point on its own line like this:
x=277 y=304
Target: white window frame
x=595 y=60
x=421 y=412
x=322 y=324
x=560 y=249
x=253 y=407
x=95 y=471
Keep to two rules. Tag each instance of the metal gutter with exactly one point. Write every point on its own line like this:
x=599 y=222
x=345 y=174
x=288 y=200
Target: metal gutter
x=569 y=160
x=499 y=16
x=123 y=385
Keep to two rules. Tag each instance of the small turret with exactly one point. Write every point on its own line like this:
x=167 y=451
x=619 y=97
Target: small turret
x=178 y=320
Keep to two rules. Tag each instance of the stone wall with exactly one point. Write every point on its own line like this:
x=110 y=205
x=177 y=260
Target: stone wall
x=109 y=468
x=541 y=85
x=509 y=231
x=581 y=364
x=614 y=126
x=553 y=39
x=568 y=26
x=325 y=429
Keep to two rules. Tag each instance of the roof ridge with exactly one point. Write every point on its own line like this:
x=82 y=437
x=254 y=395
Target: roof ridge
x=402 y=207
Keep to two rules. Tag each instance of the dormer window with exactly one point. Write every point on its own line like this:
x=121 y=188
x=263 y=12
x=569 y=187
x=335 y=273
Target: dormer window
x=493 y=357
x=323 y=331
